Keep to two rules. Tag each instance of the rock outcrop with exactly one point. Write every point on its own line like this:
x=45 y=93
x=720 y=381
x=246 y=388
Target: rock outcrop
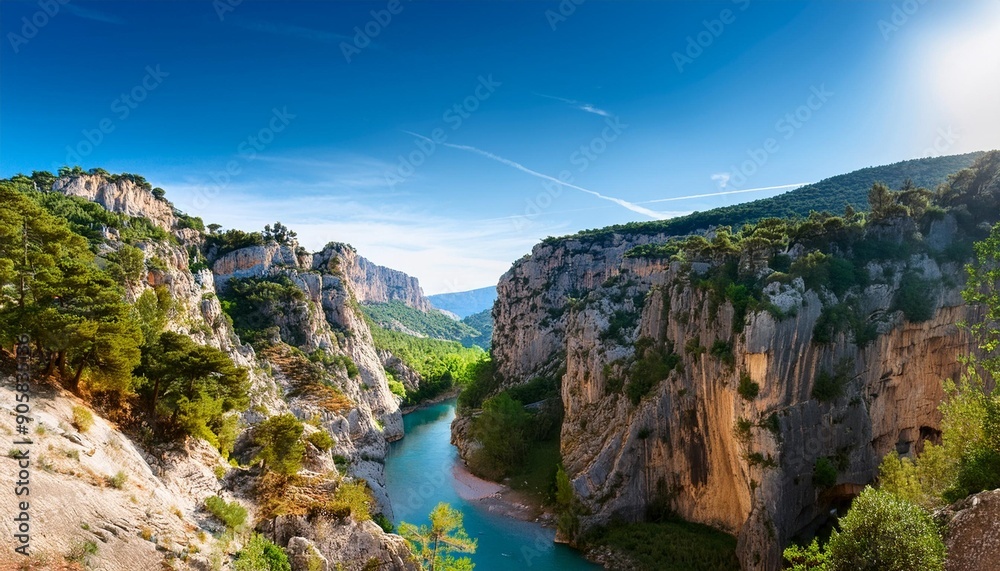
x=123 y=196
x=741 y=461
x=348 y=544
x=370 y=282
x=972 y=532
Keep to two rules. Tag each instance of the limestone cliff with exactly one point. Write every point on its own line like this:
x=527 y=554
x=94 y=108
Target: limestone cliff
x=363 y=417
x=739 y=460
x=370 y=282
x=124 y=196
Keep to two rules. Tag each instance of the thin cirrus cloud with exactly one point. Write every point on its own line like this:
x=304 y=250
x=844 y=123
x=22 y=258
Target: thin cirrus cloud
x=88 y=14
x=726 y=192
x=293 y=31
x=620 y=202
x=582 y=106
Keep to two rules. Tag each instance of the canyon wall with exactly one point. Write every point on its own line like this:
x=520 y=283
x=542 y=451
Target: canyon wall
x=693 y=441
x=364 y=419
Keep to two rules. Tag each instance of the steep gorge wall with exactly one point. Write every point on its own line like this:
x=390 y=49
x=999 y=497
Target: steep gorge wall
x=326 y=319
x=372 y=283
x=679 y=444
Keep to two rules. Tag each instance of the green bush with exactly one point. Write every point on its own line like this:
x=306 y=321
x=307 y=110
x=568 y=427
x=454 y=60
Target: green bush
x=352 y=499
x=260 y=554
x=321 y=439
x=231 y=240
x=829 y=386
x=118 y=480
x=748 y=389
x=83 y=419
x=254 y=304
x=281 y=446
x=723 y=351
x=882 y=532
x=653 y=366
x=535 y=390
x=671 y=546
x=915 y=298
x=232 y=514
x=384 y=522
x=824 y=473
x=482 y=383
x=397 y=388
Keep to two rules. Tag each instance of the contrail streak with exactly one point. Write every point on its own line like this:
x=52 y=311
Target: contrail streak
x=724 y=192
x=623 y=203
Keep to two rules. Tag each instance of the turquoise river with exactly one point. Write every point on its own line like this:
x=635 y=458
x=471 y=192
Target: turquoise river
x=419 y=475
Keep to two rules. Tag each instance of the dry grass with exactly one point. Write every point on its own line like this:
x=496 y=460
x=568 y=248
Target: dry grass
x=311 y=495
x=308 y=380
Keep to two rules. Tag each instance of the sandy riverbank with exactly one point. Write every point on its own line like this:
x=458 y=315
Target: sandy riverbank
x=499 y=498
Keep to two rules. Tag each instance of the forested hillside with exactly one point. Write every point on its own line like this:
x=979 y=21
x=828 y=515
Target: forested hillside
x=831 y=195
x=397 y=316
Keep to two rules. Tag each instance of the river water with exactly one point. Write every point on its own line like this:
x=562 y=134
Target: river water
x=418 y=475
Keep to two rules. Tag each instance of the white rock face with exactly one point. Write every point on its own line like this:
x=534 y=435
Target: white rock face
x=123 y=196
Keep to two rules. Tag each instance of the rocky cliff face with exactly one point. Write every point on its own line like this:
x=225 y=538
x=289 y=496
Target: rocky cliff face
x=694 y=441
x=972 y=532
x=123 y=196
x=370 y=282
x=362 y=422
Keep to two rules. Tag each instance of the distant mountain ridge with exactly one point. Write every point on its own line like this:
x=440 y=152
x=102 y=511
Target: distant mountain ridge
x=465 y=303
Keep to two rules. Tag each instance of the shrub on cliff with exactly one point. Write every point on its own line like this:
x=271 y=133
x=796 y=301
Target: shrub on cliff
x=190 y=388
x=232 y=240
x=281 y=446
x=232 y=514
x=882 y=532
x=915 y=298
x=260 y=554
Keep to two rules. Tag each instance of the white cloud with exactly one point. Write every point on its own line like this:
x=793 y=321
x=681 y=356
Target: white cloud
x=444 y=253
x=722 y=178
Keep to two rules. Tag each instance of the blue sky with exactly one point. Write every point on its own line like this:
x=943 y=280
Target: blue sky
x=446 y=138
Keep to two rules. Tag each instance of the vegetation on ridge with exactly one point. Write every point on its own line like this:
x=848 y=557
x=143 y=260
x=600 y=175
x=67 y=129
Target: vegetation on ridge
x=828 y=195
